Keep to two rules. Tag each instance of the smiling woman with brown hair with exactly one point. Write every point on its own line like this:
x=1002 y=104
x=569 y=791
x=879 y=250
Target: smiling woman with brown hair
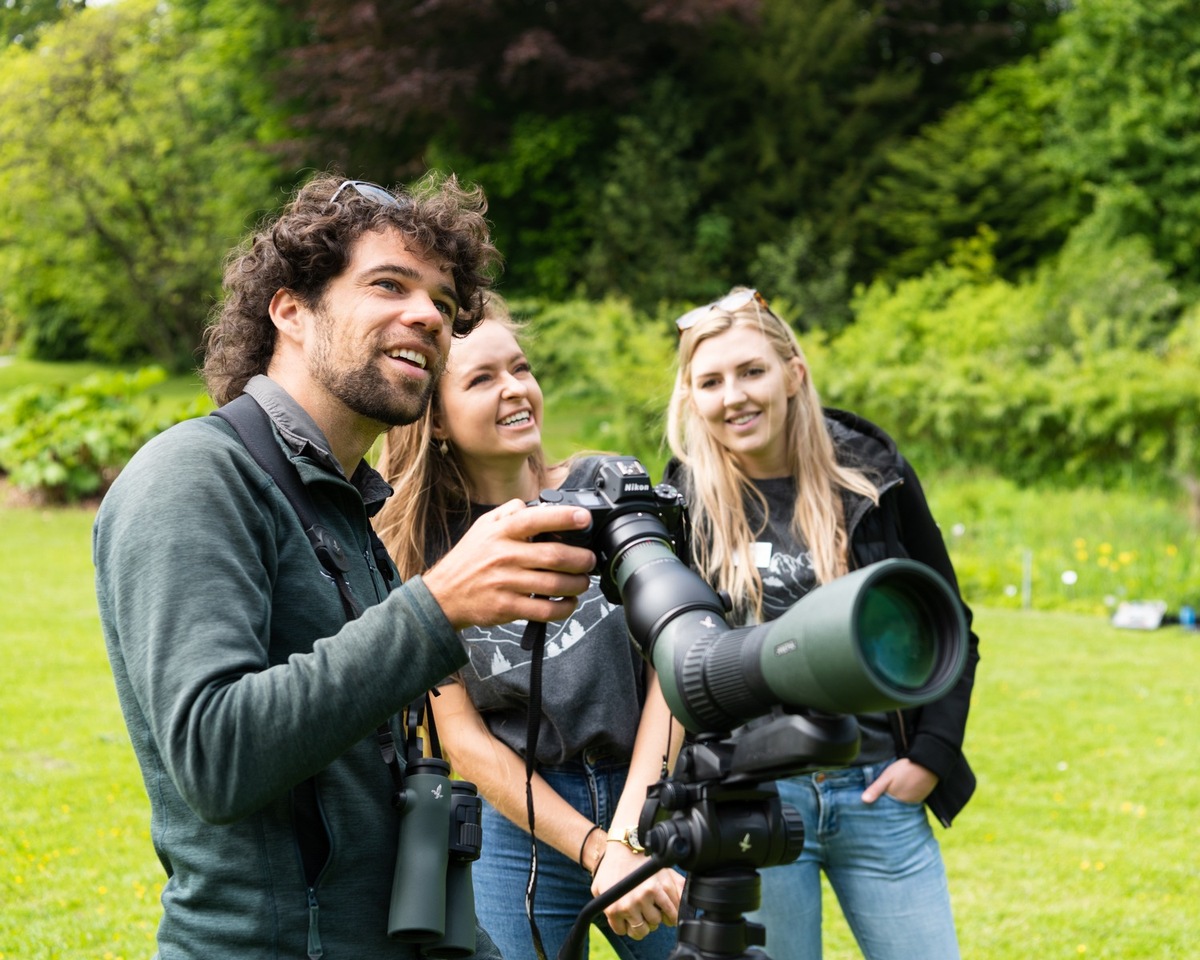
x=606 y=731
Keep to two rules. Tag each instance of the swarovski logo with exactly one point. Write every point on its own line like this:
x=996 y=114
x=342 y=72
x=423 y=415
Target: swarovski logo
x=437 y=792
x=745 y=844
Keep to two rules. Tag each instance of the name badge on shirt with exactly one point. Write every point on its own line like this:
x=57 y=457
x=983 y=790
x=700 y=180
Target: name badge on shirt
x=762 y=555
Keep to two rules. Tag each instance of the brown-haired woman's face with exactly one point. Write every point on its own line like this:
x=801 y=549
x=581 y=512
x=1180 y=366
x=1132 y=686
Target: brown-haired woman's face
x=740 y=389
x=490 y=401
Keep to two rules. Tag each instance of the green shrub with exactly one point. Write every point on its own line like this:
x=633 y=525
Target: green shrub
x=62 y=443
x=1083 y=373
x=609 y=365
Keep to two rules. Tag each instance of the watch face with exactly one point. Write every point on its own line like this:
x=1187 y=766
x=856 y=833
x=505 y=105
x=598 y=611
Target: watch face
x=627 y=836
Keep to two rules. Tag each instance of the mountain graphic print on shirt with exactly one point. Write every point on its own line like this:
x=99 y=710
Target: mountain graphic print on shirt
x=593 y=676
x=496 y=650
x=789 y=574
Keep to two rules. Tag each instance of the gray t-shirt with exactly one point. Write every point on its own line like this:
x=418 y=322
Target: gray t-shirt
x=593 y=677
x=786 y=568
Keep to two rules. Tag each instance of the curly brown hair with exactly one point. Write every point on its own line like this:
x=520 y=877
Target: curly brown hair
x=309 y=243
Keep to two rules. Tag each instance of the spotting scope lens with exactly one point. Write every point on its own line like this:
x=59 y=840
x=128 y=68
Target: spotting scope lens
x=898 y=636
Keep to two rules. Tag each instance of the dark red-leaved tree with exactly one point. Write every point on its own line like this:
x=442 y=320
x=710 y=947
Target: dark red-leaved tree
x=631 y=134
x=413 y=71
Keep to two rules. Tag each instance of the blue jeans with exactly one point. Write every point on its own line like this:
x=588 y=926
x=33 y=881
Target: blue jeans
x=563 y=887
x=882 y=861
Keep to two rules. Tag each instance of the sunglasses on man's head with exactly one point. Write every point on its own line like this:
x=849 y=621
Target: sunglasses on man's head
x=730 y=303
x=368 y=191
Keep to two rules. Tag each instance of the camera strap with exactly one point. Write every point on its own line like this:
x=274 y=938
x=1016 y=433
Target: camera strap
x=534 y=639
x=253 y=426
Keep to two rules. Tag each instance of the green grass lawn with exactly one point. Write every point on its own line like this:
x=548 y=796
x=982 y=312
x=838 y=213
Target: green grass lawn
x=1080 y=842
x=17 y=371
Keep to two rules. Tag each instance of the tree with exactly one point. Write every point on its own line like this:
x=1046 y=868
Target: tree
x=1127 y=118
x=984 y=163
x=648 y=229
x=525 y=98
x=1082 y=372
x=128 y=167
x=21 y=20
x=462 y=72
x=817 y=95
x=777 y=112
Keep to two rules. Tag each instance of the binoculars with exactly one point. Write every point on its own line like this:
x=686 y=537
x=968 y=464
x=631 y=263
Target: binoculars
x=433 y=901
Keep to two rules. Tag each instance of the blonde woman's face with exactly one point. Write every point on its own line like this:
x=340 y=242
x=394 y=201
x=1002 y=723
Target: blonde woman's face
x=740 y=390
x=491 y=404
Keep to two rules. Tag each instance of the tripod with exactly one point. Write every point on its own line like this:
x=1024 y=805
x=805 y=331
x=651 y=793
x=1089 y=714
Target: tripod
x=719 y=817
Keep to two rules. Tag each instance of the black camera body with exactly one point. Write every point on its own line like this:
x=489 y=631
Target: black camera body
x=621 y=494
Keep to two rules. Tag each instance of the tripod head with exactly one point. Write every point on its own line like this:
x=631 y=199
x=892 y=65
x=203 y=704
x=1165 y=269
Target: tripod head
x=719 y=817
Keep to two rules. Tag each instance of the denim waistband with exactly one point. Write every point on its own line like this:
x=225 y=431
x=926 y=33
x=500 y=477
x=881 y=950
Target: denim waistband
x=600 y=758
x=849 y=776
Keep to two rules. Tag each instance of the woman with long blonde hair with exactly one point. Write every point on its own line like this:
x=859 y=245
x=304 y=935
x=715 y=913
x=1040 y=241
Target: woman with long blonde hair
x=786 y=495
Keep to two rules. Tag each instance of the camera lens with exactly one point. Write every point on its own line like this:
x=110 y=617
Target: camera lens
x=898 y=636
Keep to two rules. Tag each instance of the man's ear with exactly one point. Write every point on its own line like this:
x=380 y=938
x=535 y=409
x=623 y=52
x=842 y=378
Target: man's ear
x=288 y=314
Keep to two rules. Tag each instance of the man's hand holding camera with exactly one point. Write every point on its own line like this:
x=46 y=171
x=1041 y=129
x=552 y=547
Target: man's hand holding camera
x=498 y=573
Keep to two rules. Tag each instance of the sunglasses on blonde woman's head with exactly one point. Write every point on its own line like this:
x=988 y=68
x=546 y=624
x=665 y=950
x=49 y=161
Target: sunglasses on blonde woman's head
x=730 y=303
x=368 y=191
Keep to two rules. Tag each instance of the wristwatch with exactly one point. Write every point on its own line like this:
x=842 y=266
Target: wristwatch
x=627 y=836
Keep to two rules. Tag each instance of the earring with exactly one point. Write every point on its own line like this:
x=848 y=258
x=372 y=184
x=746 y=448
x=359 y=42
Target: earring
x=443 y=448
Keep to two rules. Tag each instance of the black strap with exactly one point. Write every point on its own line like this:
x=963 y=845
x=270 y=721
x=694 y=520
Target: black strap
x=533 y=639
x=253 y=425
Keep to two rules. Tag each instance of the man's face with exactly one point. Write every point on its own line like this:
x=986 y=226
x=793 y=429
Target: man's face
x=382 y=331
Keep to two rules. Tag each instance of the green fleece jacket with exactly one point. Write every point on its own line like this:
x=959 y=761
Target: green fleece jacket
x=240 y=678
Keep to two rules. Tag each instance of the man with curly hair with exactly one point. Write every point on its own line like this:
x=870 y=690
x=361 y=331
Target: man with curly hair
x=252 y=688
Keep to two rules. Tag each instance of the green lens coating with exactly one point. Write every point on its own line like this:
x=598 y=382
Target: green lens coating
x=896 y=636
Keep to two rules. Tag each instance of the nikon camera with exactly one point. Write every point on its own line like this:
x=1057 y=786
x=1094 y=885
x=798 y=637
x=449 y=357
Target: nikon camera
x=622 y=501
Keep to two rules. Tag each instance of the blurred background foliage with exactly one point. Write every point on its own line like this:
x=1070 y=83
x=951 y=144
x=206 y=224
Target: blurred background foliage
x=981 y=215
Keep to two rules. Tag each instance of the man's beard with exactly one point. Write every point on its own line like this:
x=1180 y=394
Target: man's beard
x=366 y=390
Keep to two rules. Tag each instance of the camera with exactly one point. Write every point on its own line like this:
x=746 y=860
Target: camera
x=621 y=496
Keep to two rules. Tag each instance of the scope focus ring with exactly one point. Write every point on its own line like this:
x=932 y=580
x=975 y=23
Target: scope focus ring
x=713 y=676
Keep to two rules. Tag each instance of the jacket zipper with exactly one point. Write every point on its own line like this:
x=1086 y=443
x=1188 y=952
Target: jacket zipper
x=315 y=951
x=376 y=573
x=903 y=732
